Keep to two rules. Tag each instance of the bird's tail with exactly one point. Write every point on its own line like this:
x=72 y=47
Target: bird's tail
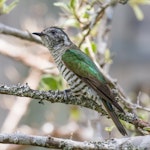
x=114 y=117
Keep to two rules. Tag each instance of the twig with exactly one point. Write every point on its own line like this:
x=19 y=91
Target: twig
x=142 y=108
x=139 y=142
x=123 y=1
x=98 y=15
x=84 y=36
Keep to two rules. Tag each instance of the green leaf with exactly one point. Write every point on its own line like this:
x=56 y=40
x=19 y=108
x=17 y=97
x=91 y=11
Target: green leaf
x=75 y=113
x=86 y=15
x=51 y=82
x=94 y=46
x=72 y=3
x=86 y=50
x=109 y=129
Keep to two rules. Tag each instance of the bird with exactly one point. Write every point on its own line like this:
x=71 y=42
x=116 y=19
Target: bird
x=80 y=72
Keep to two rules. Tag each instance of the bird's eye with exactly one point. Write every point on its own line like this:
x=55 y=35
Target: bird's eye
x=53 y=32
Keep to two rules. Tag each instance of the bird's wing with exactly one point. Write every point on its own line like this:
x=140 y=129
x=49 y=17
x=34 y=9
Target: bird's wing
x=85 y=68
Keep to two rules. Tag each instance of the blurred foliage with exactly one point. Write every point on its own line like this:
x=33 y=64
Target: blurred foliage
x=72 y=11
x=74 y=113
x=109 y=129
x=50 y=82
x=80 y=14
x=147 y=129
x=107 y=56
x=5 y=9
x=135 y=5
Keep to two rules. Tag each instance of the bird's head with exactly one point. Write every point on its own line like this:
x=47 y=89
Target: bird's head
x=54 y=38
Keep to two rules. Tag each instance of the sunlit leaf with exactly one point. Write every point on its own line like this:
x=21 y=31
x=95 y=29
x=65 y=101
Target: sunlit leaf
x=109 y=129
x=135 y=5
x=5 y=9
x=2 y=2
x=138 y=13
x=75 y=113
x=71 y=22
x=108 y=56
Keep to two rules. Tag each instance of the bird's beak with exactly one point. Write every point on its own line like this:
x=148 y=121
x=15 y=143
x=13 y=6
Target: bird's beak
x=38 y=33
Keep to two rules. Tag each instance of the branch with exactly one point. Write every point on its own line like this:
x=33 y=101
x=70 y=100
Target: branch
x=66 y=97
x=139 y=142
x=18 y=33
